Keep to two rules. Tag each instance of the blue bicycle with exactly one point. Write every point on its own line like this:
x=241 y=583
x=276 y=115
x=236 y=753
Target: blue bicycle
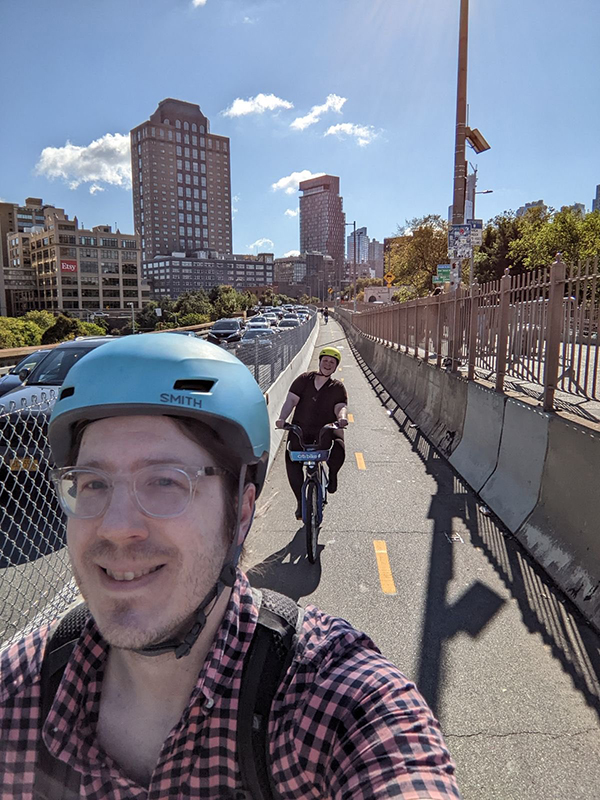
x=314 y=488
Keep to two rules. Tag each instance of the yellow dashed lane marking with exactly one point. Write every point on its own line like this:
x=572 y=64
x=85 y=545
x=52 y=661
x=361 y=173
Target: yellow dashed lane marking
x=350 y=417
x=383 y=565
x=360 y=461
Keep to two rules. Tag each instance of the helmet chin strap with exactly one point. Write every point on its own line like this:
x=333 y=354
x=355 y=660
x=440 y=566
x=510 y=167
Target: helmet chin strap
x=183 y=646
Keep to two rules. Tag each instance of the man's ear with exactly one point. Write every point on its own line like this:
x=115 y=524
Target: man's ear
x=248 y=508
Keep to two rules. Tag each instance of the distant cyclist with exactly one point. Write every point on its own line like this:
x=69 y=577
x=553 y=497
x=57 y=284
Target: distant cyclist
x=317 y=399
x=326 y=315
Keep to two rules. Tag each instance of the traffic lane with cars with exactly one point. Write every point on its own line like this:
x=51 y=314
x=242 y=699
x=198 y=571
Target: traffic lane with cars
x=509 y=668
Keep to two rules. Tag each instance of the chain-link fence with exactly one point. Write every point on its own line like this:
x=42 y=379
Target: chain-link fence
x=37 y=584
x=267 y=356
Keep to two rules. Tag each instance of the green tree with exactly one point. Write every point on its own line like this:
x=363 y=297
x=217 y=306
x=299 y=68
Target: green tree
x=92 y=329
x=193 y=319
x=43 y=319
x=197 y=303
x=225 y=301
x=66 y=328
x=414 y=257
x=567 y=232
x=494 y=255
x=19 y=332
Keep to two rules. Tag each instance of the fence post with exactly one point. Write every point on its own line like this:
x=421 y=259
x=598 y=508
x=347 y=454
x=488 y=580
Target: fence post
x=554 y=331
x=503 y=330
x=427 y=306
x=438 y=332
x=416 y=328
x=454 y=343
x=473 y=329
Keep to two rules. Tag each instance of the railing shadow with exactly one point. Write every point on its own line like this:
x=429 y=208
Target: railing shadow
x=545 y=610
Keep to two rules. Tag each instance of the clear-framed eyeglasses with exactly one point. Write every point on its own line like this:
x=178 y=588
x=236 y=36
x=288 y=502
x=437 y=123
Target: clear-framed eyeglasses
x=162 y=491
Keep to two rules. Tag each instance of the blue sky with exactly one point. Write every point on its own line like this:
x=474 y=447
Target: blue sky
x=84 y=71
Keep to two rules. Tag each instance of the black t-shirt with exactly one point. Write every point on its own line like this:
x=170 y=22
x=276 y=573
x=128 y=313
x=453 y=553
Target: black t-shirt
x=316 y=406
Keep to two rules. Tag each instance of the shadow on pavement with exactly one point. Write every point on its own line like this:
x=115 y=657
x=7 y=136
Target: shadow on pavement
x=545 y=610
x=288 y=570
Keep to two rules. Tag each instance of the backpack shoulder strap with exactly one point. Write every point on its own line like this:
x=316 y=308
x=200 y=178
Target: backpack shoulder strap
x=55 y=780
x=268 y=659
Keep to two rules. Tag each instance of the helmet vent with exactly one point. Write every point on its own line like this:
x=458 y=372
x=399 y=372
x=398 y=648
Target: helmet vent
x=69 y=391
x=195 y=386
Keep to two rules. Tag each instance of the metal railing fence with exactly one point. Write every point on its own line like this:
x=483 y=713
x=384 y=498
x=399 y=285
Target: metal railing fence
x=36 y=582
x=540 y=327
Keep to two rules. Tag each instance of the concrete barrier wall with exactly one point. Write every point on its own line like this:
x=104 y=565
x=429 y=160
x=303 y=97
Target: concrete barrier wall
x=513 y=489
x=476 y=456
x=562 y=533
x=431 y=398
x=536 y=471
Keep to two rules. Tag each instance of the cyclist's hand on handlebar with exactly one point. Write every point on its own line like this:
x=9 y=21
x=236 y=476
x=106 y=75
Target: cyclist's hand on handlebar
x=342 y=423
x=279 y=423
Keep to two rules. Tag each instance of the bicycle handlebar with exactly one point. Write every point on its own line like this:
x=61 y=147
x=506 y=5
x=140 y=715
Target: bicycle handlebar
x=289 y=426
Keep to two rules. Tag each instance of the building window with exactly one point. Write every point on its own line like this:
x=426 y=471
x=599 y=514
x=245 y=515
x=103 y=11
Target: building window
x=178 y=123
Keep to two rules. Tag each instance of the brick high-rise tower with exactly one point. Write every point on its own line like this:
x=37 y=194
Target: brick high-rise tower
x=322 y=220
x=181 y=182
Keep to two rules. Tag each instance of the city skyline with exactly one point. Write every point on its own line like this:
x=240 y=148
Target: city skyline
x=382 y=118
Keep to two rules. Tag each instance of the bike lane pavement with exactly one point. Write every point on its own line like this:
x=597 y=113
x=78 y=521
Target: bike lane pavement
x=508 y=667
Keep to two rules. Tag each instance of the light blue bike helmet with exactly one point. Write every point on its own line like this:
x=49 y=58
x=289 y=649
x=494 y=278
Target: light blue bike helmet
x=178 y=376
x=165 y=374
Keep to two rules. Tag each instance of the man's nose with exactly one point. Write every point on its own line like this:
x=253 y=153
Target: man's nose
x=122 y=519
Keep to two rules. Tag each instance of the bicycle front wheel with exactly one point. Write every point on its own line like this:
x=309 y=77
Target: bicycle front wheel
x=311 y=522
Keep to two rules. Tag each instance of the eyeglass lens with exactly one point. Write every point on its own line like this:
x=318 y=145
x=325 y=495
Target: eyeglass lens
x=160 y=491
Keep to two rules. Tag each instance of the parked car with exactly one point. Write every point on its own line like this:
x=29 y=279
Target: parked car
x=256 y=337
x=32 y=521
x=288 y=322
x=17 y=376
x=258 y=325
x=225 y=331
x=272 y=318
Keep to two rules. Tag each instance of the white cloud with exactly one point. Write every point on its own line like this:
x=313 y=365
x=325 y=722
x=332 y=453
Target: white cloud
x=256 y=105
x=198 y=3
x=263 y=245
x=235 y=199
x=364 y=134
x=333 y=103
x=95 y=188
x=292 y=212
x=248 y=21
x=105 y=160
x=291 y=253
x=289 y=184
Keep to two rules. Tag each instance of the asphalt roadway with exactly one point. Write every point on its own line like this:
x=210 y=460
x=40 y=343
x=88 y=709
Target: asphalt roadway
x=507 y=663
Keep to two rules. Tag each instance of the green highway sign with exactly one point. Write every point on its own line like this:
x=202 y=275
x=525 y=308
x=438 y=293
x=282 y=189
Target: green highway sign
x=437 y=279
x=443 y=271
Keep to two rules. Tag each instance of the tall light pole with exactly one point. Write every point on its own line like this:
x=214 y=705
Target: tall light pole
x=460 y=163
x=131 y=306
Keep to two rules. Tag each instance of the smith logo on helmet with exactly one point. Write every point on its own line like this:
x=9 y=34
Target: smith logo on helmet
x=181 y=399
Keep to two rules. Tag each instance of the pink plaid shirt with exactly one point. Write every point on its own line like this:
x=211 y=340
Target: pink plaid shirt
x=345 y=722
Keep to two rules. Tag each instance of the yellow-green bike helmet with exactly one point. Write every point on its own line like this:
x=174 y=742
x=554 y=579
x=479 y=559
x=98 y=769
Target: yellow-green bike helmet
x=331 y=351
